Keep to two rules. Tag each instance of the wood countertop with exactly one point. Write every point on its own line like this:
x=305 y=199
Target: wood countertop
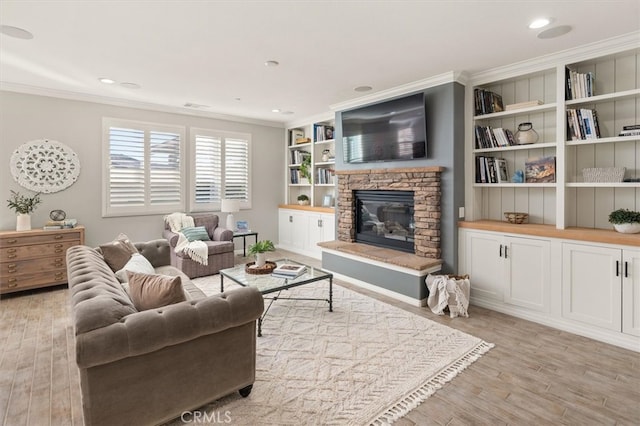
x=605 y=236
x=330 y=210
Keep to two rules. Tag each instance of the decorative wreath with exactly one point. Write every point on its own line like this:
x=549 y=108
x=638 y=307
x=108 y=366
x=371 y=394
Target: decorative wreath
x=45 y=166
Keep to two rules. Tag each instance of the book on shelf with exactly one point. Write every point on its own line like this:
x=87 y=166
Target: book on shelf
x=294 y=135
x=521 y=105
x=582 y=124
x=487 y=102
x=630 y=130
x=487 y=137
x=540 y=170
x=289 y=270
x=322 y=132
x=578 y=85
x=491 y=170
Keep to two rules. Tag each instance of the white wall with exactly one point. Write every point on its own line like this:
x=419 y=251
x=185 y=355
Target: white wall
x=78 y=124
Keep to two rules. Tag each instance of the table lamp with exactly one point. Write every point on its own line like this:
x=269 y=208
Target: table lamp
x=230 y=206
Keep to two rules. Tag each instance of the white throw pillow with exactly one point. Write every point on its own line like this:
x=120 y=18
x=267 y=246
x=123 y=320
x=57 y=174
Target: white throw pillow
x=138 y=263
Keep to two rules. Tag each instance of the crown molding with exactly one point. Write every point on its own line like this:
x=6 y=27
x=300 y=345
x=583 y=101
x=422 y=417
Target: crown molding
x=585 y=52
x=317 y=118
x=415 y=86
x=105 y=100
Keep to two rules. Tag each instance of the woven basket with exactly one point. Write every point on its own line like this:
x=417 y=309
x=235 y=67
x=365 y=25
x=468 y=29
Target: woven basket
x=603 y=174
x=516 y=217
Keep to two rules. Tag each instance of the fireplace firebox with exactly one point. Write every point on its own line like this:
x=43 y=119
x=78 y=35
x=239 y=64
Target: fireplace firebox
x=385 y=219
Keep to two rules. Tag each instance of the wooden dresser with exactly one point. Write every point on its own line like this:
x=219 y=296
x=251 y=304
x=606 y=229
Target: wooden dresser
x=36 y=258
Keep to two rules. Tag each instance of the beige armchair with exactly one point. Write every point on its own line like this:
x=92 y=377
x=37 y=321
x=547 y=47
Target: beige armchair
x=220 y=248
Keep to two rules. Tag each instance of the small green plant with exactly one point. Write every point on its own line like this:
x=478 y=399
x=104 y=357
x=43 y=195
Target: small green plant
x=23 y=204
x=303 y=197
x=262 y=246
x=305 y=167
x=624 y=216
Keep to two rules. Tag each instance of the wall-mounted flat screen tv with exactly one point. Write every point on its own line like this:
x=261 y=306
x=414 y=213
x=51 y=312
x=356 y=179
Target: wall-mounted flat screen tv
x=387 y=131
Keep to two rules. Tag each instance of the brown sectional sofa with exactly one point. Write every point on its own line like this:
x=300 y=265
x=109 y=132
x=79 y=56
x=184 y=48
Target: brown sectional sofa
x=149 y=367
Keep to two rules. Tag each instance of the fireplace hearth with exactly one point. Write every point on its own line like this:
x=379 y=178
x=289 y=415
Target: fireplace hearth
x=385 y=219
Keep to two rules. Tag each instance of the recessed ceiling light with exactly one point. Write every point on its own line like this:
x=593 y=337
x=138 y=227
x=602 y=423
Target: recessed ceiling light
x=106 y=80
x=15 y=32
x=539 y=23
x=271 y=63
x=238 y=99
x=363 y=88
x=554 y=32
x=275 y=110
x=130 y=85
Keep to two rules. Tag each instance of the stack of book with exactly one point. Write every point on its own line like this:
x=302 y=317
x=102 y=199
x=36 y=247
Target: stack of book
x=582 y=124
x=325 y=175
x=53 y=224
x=289 y=270
x=322 y=132
x=487 y=102
x=632 y=130
x=579 y=85
x=491 y=170
x=521 y=105
x=298 y=155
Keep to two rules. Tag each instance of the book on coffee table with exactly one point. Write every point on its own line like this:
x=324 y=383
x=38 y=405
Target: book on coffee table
x=288 y=270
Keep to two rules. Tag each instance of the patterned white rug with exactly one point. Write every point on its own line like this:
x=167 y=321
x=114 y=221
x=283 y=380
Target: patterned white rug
x=366 y=362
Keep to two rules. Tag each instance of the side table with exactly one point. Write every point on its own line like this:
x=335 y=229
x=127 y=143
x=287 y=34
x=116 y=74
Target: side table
x=244 y=236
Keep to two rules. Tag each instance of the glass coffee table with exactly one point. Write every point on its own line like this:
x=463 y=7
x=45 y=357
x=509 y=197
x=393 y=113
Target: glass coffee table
x=268 y=284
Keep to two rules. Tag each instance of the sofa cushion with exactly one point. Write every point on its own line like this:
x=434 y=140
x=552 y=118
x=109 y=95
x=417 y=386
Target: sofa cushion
x=196 y=233
x=118 y=252
x=149 y=291
x=137 y=263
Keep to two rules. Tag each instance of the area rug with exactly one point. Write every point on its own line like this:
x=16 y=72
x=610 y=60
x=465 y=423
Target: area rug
x=366 y=362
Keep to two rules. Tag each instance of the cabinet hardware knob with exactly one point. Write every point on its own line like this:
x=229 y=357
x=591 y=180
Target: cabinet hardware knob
x=626 y=269
x=58 y=237
x=11 y=265
x=13 y=280
x=290 y=218
x=12 y=241
x=58 y=245
x=617 y=268
x=500 y=250
x=11 y=251
x=505 y=251
x=11 y=270
x=12 y=285
x=58 y=250
x=12 y=256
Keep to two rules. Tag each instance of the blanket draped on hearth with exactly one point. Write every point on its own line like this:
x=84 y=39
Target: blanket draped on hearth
x=198 y=251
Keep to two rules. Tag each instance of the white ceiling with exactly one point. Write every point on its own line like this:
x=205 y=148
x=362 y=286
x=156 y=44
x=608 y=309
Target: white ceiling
x=213 y=52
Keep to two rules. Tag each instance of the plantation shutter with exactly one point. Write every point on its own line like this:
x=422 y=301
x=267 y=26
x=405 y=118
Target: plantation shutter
x=208 y=169
x=142 y=171
x=236 y=169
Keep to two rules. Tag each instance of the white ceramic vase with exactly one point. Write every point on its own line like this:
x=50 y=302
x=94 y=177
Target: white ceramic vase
x=23 y=222
x=260 y=259
x=627 y=228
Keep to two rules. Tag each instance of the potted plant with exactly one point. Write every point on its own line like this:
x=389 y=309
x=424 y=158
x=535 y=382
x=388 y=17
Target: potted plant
x=23 y=206
x=625 y=221
x=305 y=167
x=259 y=249
x=303 y=200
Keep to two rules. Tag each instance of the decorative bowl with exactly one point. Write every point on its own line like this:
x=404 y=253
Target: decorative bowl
x=627 y=228
x=516 y=217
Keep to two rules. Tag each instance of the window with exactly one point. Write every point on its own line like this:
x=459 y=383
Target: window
x=142 y=168
x=220 y=168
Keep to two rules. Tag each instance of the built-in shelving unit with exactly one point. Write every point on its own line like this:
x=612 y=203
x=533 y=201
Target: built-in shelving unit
x=570 y=201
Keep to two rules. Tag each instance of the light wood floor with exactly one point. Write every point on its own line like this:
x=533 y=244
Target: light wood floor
x=535 y=375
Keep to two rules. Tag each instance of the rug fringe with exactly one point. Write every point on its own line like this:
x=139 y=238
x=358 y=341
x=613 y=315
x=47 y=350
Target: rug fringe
x=418 y=396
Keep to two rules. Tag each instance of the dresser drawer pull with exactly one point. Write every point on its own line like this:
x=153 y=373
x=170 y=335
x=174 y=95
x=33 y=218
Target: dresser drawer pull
x=58 y=246
x=12 y=285
x=12 y=256
x=59 y=250
x=11 y=251
x=12 y=280
x=58 y=237
x=11 y=265
x=59 y=275
x=12 y=241
x=11 y=270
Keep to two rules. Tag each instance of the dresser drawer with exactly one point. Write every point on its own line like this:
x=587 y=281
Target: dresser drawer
x=23 y=282
x=10 y=254
x=22 y=267
x=21 y=240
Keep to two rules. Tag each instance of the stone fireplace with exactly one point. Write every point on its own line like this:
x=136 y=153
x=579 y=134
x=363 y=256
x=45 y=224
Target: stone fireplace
x=423 y=182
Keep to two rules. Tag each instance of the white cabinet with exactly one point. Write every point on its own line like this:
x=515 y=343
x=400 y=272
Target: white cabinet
x=601 y=286
x=508 y=269
x=300 y=231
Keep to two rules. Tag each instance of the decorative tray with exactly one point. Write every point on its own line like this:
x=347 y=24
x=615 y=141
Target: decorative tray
x=266 y=269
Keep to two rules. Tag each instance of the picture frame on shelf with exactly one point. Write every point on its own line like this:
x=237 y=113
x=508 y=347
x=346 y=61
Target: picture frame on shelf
x=327 y=200
x=502 y=171
x=540 y=170
x=242 y=226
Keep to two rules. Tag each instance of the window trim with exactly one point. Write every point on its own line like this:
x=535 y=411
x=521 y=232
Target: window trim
x=147 y=209
x=223 y=135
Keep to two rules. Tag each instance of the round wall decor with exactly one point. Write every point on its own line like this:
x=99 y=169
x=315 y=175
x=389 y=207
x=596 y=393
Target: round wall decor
x=45 y=166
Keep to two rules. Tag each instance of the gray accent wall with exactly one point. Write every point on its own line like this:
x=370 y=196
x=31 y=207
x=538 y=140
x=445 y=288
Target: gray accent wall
x=445 y=147
x=78 y=124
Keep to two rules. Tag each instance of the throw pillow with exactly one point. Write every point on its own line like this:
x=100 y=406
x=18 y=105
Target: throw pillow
x=196 y=233
x=118 y=252
x=150 y=291
x=137 y=263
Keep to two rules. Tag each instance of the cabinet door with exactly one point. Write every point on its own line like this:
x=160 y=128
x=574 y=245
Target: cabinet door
x=631 y=292
x=591 y=290
x=484 y=265
x=527 y=272
x=321 y=228
x=285 y=228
